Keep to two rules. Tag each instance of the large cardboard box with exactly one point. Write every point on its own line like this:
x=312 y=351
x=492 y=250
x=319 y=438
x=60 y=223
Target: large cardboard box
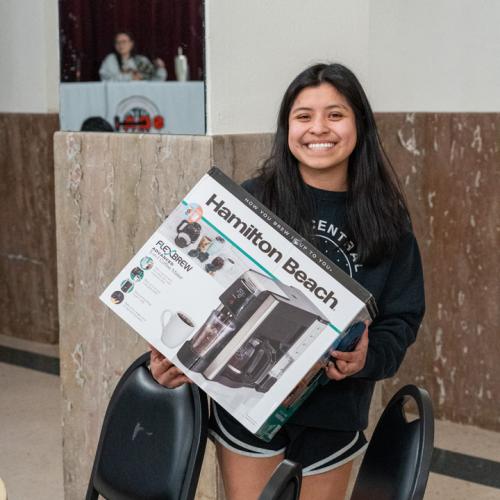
x=240 y=302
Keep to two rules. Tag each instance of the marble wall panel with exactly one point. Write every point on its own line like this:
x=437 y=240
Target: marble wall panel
x=449 y=165
x=112 y=191
x=241 y=155
x=28 y=295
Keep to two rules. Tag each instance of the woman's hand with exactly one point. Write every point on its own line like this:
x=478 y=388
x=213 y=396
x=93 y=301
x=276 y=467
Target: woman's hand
x=164 y=372
x=348 y=363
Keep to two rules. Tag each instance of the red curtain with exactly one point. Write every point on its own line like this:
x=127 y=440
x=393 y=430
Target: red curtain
x=159 y=27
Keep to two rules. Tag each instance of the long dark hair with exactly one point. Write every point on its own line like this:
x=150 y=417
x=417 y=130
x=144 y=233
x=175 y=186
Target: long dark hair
x=132 y=52
x=377 y=213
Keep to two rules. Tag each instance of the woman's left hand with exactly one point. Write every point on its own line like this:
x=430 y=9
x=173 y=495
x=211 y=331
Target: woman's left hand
x=348 y=363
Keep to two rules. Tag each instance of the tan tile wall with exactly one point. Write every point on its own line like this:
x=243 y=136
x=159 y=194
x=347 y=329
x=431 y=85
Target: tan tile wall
x=450 y=167
x=112 y=191
x=28 y=291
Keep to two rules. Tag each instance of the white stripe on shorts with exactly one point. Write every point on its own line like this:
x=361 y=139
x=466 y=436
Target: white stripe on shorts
x=308 y=471
x=337 y=464
x=336 y=454
x=238 y=451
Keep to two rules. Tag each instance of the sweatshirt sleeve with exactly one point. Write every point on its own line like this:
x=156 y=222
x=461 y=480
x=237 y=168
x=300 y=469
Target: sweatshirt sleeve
x=401 y=308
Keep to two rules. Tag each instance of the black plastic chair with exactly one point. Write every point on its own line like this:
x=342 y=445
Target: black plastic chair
x=397 y=461
x=285 y=482
x=152 y=440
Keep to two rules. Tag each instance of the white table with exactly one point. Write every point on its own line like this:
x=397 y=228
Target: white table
x=135 y=105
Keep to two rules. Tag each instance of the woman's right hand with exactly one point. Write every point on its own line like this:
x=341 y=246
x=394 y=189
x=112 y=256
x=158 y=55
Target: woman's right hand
x=164 y=372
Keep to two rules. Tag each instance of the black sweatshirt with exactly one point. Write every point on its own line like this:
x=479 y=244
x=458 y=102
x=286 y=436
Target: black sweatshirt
x=397 y=286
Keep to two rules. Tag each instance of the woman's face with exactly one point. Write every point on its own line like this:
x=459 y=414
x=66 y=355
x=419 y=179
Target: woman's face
x=123 y=44
x=322 y=135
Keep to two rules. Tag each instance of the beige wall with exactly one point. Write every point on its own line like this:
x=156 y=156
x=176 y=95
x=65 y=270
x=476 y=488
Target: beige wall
x=434 y=56
x=254 y=49
x=29 y=51
x=423 y=56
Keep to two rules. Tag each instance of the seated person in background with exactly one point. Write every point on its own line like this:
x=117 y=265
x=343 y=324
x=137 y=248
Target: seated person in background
x=124 y=65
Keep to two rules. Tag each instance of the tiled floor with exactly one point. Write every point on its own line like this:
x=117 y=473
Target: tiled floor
x=470 y=441
x=31 y=451
x=30 y=434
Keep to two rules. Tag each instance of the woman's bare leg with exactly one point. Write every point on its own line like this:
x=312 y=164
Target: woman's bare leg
x=245 y=477
x=331 y=485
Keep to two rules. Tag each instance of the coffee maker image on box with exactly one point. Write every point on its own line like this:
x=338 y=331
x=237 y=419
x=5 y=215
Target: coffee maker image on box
x=258 y=330
x=187 y=233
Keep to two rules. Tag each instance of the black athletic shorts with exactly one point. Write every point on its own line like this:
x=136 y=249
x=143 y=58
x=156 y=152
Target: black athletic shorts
x=317 y=450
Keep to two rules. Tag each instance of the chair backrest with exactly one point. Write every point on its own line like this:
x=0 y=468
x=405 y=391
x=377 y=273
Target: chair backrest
x=285 y=482
x=152 y=440
x=397 y=460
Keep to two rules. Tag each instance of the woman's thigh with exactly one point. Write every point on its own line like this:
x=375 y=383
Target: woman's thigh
x=247 y=462
x=331 y=485
x=245 y=477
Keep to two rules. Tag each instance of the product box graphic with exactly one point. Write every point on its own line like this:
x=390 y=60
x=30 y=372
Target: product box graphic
x=240 y=302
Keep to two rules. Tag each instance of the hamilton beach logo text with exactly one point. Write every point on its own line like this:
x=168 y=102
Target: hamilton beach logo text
x=256 y=238
x=170 y=255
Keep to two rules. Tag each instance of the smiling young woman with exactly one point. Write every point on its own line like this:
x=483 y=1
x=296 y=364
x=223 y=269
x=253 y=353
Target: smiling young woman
x=322 y=136
x=329 y=178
